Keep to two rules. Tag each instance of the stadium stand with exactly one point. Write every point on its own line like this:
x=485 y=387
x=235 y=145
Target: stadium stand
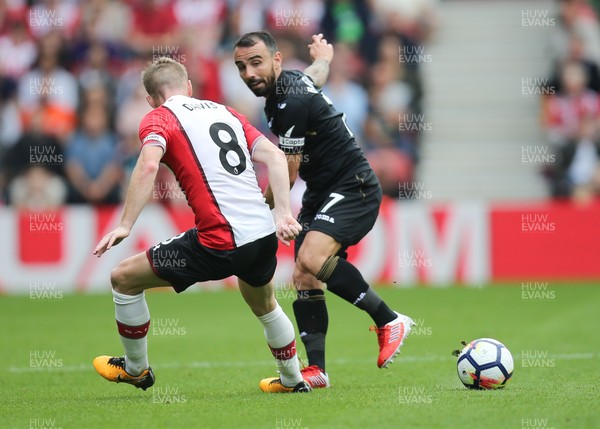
x=67 y=67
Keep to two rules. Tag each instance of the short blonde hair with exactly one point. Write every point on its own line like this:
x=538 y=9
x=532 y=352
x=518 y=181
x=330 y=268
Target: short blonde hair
x=164 y=72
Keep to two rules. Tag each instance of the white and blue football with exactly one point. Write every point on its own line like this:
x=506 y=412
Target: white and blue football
x=485 y=364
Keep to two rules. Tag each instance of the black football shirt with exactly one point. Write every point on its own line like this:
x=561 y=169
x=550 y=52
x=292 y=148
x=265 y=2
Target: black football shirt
x=306 y=123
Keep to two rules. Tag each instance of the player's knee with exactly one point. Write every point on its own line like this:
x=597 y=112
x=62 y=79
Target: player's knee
x=119 y=278
x=309 y=264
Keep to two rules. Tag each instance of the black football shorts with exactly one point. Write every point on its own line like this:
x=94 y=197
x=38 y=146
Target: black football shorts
x=346 y=213
x=182 y=261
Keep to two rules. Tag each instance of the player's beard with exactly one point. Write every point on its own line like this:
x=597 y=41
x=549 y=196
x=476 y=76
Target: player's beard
x=266 y=88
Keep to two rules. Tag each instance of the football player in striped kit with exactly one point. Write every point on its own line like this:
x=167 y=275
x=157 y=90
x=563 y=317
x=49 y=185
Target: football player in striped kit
x=211 y=150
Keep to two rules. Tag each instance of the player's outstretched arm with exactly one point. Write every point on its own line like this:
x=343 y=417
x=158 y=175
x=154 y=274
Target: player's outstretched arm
x=321 y=54
x=266 y=152
x=140 y=187
x=293 y=167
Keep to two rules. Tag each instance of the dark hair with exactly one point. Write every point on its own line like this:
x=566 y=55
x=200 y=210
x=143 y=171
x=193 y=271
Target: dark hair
x=251 y=39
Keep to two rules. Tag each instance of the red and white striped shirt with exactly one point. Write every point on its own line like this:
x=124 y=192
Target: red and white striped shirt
x=208 y=147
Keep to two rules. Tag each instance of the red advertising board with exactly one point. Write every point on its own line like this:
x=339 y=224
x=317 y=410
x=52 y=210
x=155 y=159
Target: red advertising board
x=412 y=243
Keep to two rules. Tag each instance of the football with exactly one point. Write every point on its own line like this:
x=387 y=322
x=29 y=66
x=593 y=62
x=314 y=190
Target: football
x=485 y=364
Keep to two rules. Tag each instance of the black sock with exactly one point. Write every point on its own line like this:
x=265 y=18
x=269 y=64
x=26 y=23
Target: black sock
x=348 y=283
x=312 y=319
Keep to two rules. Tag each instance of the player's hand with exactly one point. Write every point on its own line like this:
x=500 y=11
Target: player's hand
x=287 y=228
x=319 y=49
x=111 y=239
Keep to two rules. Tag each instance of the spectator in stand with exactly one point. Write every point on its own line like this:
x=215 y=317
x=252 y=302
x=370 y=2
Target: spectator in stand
x=406 y=27
x=34 y=150
x=405 y=60
x=92 y=162
x=56 y=119
x=154 y=28
x=8 y=11
x=10 y=117
x=582 y=158
x=110 y=41
x=290 y=46
x=201 y=20
x=51 y=89
x=297 y=18
x=567 y=109
x=349 y=22
x=96 y=83
x=243 y=17
x=196 y=14
x=576 y=17
x=49 y=16
x=107 y=21
x=17 y=50
x=95 y=70
x=571 y=123
x=37 y=189
x=390 y=153
x=413 y=19
x=576 y=54
x=99 y=96
x=129 y=115
x=344 y=91
x=129 y=78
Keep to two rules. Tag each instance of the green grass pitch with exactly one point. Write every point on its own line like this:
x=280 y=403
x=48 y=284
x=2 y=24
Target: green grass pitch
x=208 y=353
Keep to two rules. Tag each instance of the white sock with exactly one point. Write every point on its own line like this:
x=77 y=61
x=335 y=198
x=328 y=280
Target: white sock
x=133 y=320
x=279 y=333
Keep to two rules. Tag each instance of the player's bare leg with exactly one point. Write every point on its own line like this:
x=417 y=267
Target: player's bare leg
x=316 y=258
x=129 y=280
x=279 y=333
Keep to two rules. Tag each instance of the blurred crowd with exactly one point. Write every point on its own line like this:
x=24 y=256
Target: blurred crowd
x=571 y=103
x=71 y=97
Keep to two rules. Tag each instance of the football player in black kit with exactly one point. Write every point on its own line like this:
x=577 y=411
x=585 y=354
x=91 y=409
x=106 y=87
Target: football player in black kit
x=341 y=201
